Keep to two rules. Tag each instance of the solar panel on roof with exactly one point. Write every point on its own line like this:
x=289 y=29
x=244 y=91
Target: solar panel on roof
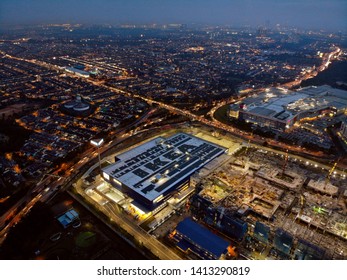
x=148 y=188
x=165 y=160
x=152 y=166
x=141 y=173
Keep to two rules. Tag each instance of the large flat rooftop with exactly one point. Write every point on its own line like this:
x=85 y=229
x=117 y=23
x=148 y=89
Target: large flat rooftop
x=284 y=105
x=154 y=167
x=201 y=237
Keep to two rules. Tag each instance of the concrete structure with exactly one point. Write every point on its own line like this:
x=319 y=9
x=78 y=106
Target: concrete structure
x=283 y=241
x=151 y=172
x=323 y=187
x=288 y=180
x=281 y=109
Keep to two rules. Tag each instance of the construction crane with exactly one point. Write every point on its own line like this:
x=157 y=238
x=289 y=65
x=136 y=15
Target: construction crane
x=285 y=163
x=248 y=144
x=245 y=154
x=327 y=179
x=302 y=204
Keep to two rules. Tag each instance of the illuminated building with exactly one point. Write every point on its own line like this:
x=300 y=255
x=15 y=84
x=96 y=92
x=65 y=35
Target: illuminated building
x=77 y=105
x=77 y=72
x=281 y=109
x=151 y=172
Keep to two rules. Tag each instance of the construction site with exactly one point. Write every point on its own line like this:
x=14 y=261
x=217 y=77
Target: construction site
x=260 y=204
x=274 y=205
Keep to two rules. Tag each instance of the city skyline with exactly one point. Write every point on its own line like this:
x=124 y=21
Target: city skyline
x=186 y=130
x=329 y=15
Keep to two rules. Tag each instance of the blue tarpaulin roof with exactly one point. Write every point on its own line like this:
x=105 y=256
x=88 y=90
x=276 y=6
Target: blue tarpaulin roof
x=202 y=237
x=183 y=244
x=67 y=218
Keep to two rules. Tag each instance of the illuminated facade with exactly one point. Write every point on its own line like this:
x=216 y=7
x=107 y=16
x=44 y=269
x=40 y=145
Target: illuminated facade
x=281 y=109
x=153 y=171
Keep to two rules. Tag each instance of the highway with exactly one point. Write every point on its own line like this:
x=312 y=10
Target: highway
x=122 y=221
x=215 y=123
x=12 y=216
x=47 y=186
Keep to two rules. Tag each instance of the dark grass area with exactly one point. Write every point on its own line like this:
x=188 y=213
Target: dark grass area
x=85 y=239
x=31 y=237
x=221 y=114
x=203 y=111
x=16 y=133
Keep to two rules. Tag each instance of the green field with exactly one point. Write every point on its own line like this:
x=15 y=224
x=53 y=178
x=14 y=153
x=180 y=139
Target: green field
x=85 y=239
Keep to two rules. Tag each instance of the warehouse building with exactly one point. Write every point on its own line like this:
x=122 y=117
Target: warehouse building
x=281 y=109
x=153 y=171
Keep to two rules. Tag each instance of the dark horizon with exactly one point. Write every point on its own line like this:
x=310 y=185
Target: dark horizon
x=306 y=14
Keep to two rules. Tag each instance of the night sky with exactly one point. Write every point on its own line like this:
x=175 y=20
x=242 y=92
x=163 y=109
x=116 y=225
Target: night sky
x=327 y=14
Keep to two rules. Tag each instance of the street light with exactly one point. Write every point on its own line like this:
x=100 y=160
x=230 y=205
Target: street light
x=97 y=143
